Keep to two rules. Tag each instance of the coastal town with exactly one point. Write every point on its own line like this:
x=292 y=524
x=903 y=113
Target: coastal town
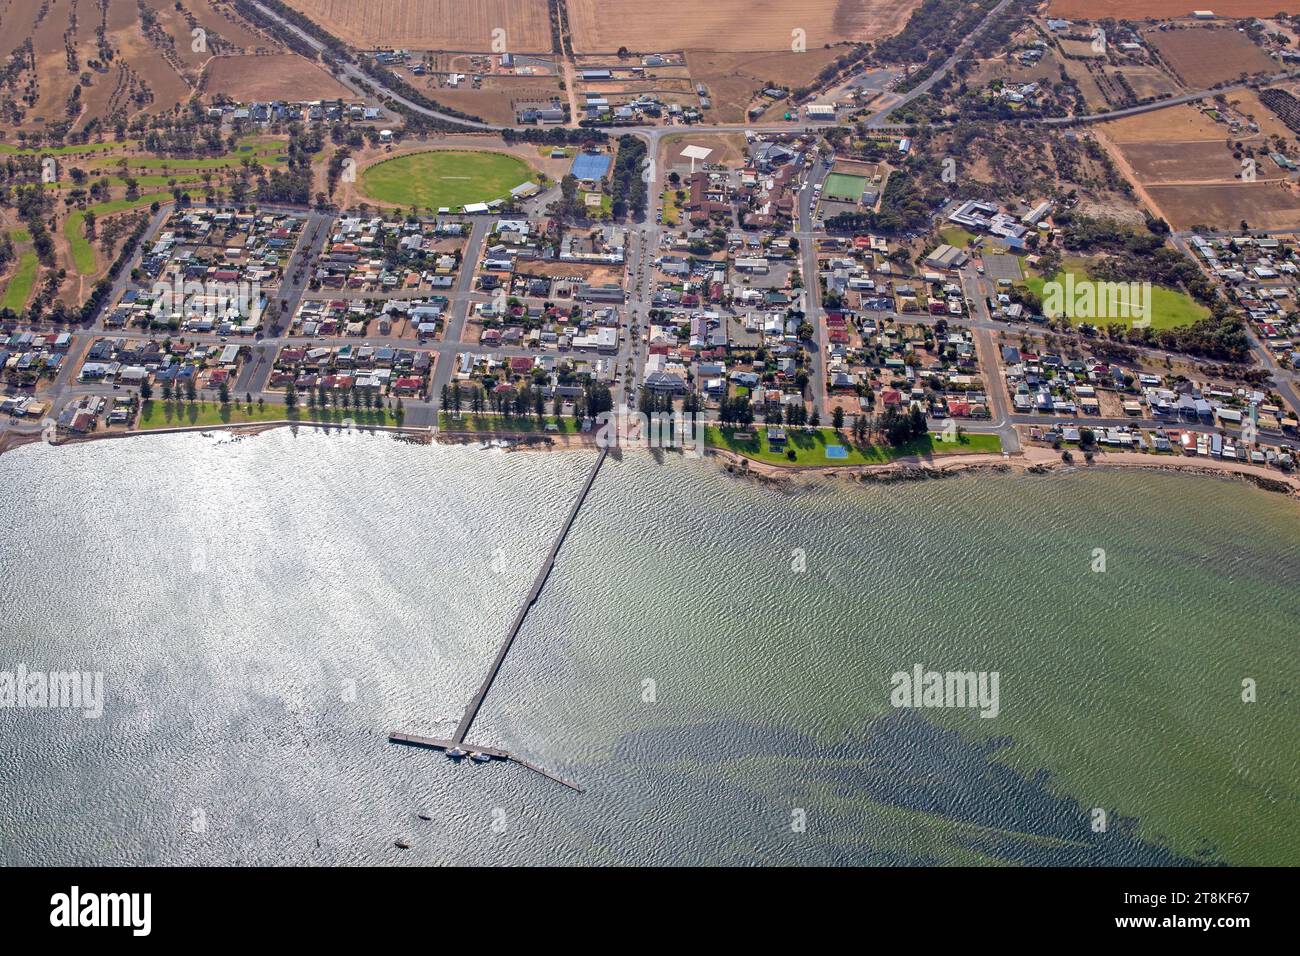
x=587 y=434
x=865 y=270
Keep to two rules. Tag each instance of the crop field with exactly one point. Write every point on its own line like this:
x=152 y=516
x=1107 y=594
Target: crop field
x=250 y=78
x=1175 y=124
x=1264 y=205
x=1157 y=163
x=447 y=177
x=602 y=26
x=1166 y=9
x=1203 y=57
x=434 y=24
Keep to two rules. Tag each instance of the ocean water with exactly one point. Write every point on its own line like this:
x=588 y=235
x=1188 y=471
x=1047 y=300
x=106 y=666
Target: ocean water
x=711 y=660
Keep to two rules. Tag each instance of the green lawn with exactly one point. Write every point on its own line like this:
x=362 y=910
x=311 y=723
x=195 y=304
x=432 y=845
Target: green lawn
x=262 y=148
x=1169 y=307
x=159 y=414
x=844 y=187
x=83 y=253
x=20 y=283
x=445 y=177
x=957 y=237
x=500 y=423
x=810 y=446
x=671 y=207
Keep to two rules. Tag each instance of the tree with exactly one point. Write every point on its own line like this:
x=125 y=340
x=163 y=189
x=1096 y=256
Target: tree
x=291 y=397
x=146 y=391
x=837 y=418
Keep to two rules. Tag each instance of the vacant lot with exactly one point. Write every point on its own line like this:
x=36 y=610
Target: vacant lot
x=1147 y=81
x=1166 y=9
x=602 y=26
x=495 y=101
x=728 y=149
x=248 y=78
x=1270 y=205
x=434 y=24
x=1205 y=56
x=446 y=177
x=732 y=79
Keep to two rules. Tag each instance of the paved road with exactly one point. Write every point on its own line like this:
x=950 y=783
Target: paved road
x=812 y=292
x=461 y=300
x=924 y=87
x=297 y=275
x=1166 y=103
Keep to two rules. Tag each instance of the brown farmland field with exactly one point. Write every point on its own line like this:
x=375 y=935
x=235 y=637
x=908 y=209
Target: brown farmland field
x=1203 y=57
x=1271 y=205
x=247 y=78
x=1155 y=163
x=602 y=26
x=1167 y=9
x=151 y=70
x=1175 y=124
x=434 y=24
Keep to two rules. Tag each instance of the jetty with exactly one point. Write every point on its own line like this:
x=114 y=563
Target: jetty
x=456 y=746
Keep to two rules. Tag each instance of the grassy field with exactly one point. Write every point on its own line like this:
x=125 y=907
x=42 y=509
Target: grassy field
x=74 y=227
x=810 y=447
x=446 y=177
x=1169 y=307
x=671 y=207
x=159 y=414
x=20 y=284
x=499 y=423
x=957 y=237
x=844 y=187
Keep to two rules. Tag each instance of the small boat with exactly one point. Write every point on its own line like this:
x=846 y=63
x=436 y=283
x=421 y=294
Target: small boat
x=455 y=753
x=401 y=844
x=424 y=815
x=480 y=757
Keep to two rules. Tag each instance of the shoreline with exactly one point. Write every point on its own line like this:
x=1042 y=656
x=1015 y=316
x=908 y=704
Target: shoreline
x=1032 y=460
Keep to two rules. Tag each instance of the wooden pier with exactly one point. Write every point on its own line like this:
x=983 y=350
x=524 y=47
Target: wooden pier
x=457 y=741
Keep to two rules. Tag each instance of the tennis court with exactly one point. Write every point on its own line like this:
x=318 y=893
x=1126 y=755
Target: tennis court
x=591 y=165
